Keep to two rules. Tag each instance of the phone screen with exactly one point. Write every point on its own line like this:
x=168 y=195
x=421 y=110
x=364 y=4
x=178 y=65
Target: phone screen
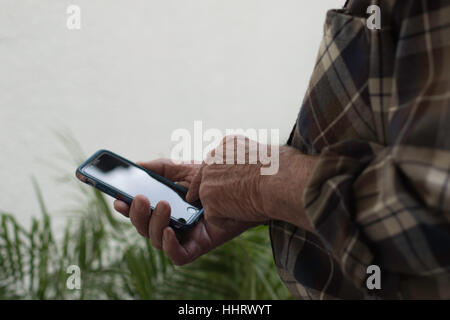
x=133 y=181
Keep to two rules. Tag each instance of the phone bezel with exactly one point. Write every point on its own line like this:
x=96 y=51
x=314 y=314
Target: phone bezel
x=120 y=195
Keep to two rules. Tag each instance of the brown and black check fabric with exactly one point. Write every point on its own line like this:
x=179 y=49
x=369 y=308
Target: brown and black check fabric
x=377 y=114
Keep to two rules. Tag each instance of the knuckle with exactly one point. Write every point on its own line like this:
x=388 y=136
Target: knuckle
x=210 y=157
x=225 y=139
x=179 y=261
x=141 y=231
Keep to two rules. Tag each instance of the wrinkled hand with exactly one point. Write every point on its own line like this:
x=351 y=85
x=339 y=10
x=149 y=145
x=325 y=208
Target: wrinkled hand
x=228 y=184
x=202 y=238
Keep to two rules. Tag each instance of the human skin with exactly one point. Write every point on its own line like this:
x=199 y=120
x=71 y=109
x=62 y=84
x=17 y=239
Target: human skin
x=235 y=197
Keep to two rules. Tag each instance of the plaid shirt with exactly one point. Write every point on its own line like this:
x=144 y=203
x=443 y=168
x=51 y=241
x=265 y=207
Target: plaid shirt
x=377 y=115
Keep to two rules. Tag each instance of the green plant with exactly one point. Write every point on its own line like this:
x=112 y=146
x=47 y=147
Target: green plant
x=116 y=263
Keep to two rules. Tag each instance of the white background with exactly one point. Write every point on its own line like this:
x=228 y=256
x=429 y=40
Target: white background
x=136 y=71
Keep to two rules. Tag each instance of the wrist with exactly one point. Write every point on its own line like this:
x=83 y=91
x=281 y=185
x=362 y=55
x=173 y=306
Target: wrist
x=282 y=192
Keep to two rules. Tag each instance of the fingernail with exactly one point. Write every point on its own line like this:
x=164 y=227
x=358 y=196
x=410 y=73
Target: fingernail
x=164 y=209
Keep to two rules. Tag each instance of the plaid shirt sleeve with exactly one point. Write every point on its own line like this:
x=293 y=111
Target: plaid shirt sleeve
x=377 y=114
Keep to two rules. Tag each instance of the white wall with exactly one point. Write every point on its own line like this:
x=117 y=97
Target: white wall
x=137 y=70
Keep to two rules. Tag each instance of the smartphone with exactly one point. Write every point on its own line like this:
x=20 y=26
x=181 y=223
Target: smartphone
x=123 y=180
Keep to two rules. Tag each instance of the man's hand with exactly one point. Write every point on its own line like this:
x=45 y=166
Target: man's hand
x=202 y=238
x=235 y=197
x=228 y=185
x=239 y=192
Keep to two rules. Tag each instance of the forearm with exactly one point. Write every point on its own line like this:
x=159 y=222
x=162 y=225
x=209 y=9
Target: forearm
x=282 y=193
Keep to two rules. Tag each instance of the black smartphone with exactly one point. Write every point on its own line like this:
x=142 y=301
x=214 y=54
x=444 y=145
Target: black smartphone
x=123 y=180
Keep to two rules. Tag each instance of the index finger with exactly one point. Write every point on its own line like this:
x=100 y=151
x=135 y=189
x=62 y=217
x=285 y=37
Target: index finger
x=167 y=168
